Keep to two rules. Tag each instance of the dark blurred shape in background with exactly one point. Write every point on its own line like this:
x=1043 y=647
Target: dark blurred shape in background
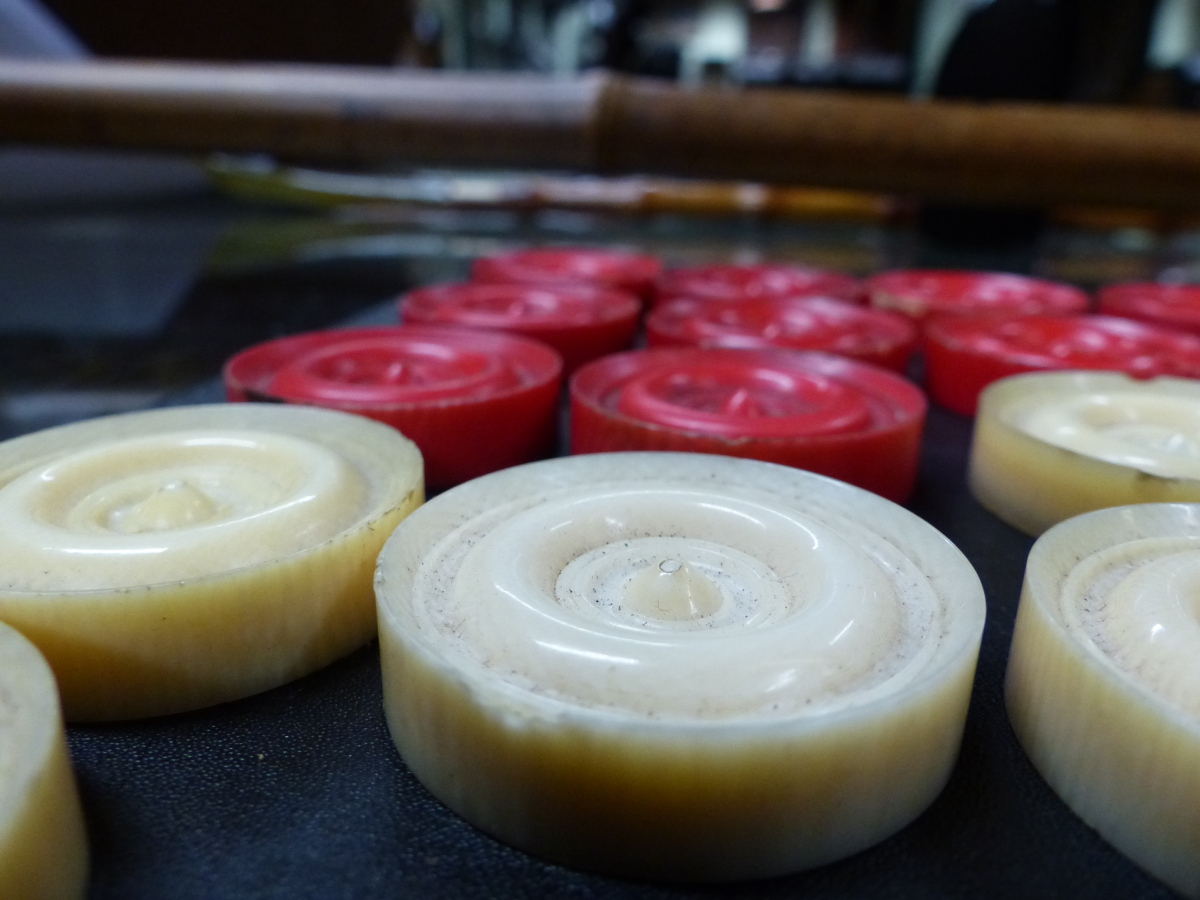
x=1085 y=50
x=1081 y=50
x=864 y=44
x=350 y=31
x=1047 y=50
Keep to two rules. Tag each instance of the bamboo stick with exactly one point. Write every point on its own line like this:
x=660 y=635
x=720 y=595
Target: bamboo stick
x=1002 y=153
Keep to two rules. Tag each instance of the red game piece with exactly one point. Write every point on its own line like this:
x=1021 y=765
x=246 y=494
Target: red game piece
x=633 y=272
x=964 y=354
x=472 y=401
x=1167 y=305
x=815 y=323
x=730 y=282
x=579 y=321
x=830 y=415
x=919 y=293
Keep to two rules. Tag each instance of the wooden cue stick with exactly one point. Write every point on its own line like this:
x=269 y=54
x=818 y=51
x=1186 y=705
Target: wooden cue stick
x=1002 y=153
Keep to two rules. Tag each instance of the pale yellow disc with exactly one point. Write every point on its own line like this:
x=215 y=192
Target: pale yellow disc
x=1103 y=681
x=1052 y=445
x=676 y=666
x=43 y=845
x=173 y=559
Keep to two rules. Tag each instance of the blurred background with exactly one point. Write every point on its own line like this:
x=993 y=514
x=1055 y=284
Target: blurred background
x=127 y=277
x=1139 y=51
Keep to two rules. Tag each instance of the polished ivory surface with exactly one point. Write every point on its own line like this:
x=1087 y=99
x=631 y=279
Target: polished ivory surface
x=1104 y=679
x=776 y=614
x=1049 y=446
x=171 y=506
x=1140 y=429
x=43 y=844
x=177 y=558
x=659 y=664
x=1136 y=606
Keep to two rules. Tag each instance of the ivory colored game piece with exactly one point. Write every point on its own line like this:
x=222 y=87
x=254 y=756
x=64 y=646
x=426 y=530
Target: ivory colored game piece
x=676 y=666
x=43 y=844
x=1104 y=679
x=1049 y=446
x=173 y=559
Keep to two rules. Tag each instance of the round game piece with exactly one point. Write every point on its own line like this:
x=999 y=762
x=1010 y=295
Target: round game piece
x=168 y=560
x=1103 y=684
x=472 y=401
x=919 y=293
x=579 y=321
x=632 y=272
x=733 y=282
x=676 y=666
x=964 y=354
x=43 y=841
x=814 y=411
x=816 y=323
x=1174 y=306
x=1052 y=445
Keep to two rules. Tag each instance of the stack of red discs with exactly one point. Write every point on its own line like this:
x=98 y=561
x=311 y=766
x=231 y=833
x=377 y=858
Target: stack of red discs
x=1169 y=305
x=579 y=321
x=472 y=401
x=827 y=414
x=731 y=282
x=920 y=294
x=964 y=354
x=632 y=272
x=814 y=323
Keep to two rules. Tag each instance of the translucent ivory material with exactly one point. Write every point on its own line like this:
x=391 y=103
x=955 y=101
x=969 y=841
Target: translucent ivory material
x=43 y=846
x=1054 y=445
x=173 y=559
x=677 y=666
x=1104 y=679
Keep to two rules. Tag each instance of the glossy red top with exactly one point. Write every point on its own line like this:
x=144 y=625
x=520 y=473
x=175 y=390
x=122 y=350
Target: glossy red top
x=1030 y=343
x=526 y=308
x=920 y=293
x=731 y=282
x=813 y=323
x=581 y=322
x=472 y=401
x=753 y=400
x=1168 y=305
x=827 y=414
x=633 y=272
x=746 y=393
x=404 y=366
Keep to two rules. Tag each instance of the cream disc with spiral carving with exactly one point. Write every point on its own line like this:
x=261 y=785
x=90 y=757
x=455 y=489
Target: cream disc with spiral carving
x=177 y=558
x=1052 y=445
x=1103 y=681
x=658 y=664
